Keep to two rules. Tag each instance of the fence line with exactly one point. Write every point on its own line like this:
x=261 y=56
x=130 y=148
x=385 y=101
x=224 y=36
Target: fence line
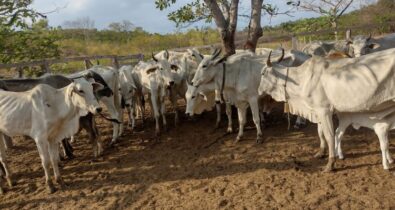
x=46 y=63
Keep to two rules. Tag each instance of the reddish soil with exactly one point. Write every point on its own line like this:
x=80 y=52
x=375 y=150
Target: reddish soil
x=193 y=168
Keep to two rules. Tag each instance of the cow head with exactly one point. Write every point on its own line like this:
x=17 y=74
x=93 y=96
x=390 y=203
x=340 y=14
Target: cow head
x=193 y=97
x=82 y=95
x=207 y=68
x=271 y=74
x=360 y=45
x=95 y=77
x=127 y=86
x=164 y=67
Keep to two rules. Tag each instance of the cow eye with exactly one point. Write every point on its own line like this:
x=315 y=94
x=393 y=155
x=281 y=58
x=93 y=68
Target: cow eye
x=81 y=91
x=193 y=97
x=130 y=91
x=204 y=66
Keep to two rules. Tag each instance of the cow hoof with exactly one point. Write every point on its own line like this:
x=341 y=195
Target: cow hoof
x=10 y=182
x=229 y=130
x=390 y=161
x=330 y=166
x=320 y=154
x=112 y=143
x=61 y=183
x=259 y=140
x=341 y=157
x=51 y=189
x=237 y=139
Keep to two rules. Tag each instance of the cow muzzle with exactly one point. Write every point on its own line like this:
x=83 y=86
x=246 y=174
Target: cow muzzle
x=98 y=109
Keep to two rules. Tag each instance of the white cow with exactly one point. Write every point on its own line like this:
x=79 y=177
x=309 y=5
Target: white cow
x=202 y=98
x=47 y=115
x=128 y=90
x=150 y=80
x=113 y=102
x=362 y=45
x=320 y=87
x=235 y=77
x=381 y=122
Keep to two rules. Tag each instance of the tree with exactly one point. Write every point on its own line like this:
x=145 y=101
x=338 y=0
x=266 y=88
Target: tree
x=332 y=9
x=20 y=40
x=124 y=26
x=223 y=12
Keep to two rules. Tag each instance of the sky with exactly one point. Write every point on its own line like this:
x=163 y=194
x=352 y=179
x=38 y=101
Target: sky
x=141 y=13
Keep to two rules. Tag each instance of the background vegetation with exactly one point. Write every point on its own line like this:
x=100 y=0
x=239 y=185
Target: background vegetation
x=79 y=37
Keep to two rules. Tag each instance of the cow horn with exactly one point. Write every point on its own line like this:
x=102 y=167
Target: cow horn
x=370 y=36
x=153 y=57
x=282 y=55
x=216 y=54
x=268 y=62
x=167 y=55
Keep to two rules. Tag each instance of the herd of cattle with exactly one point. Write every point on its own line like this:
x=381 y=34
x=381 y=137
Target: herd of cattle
x=353 y=79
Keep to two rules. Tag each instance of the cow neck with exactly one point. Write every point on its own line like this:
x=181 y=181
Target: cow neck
x=72 y=110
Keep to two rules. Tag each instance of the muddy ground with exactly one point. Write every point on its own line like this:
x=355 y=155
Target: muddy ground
x=195 y=167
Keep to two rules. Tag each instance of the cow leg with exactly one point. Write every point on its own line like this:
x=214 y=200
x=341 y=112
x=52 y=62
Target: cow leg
x=154 y=108
x=382 y=132
x=43 y=147
x=163 y=113
x=8 y=142
x=255 y=116
x=54 y=157
x=241 y=111
x=321 y=151
x=338 y=138
x=4 y=162
x=141 y=107
x=173 y=97
x=68 y=150
x=229 y=115
x=327 y=128
x=131 y=116
x=72 y=139
x=218 y=109
x=88 y=123
x=300 y=122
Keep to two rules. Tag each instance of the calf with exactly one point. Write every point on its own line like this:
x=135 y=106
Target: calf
x=381 y=122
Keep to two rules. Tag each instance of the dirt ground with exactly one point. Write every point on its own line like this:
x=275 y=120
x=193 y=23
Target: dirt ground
x=195 y=167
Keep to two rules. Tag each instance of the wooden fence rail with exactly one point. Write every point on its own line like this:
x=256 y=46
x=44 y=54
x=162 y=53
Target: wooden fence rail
x=46 y=64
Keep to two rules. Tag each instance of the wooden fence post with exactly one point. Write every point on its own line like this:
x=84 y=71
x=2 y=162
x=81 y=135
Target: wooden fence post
x=294 y=42
x=88 y=64
x=20 y=72
x=115 y=62
x=47 y=68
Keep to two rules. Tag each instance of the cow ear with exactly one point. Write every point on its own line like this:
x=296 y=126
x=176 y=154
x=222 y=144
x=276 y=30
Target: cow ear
x=97 y=86
x=204 y=96
x=153 y=69
x=223 y=59
x=374 y=46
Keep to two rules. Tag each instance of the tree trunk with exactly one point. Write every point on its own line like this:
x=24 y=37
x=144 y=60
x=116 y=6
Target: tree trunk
x=226 y=27
x=334 y=26
x=254 y=28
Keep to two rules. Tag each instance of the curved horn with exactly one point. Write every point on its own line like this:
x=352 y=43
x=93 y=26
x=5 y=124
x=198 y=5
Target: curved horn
x=167 y=55
x=217 y=53
x=268 y=62
x=370 y=36
x=153 y=57
x=282 y=55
